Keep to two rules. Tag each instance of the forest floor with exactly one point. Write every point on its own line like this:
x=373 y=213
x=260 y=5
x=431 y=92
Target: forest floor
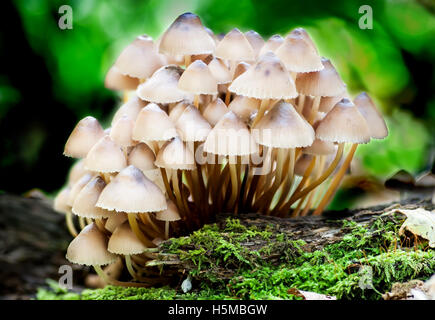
x=357 y=254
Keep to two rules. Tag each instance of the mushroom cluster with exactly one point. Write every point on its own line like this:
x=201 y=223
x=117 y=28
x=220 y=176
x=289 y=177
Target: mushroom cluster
x=209 y=123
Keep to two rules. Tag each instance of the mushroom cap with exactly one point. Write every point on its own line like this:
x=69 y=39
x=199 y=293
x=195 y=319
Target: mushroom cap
x=84 y=203
x=272 y=44
x=320 y=147
x=375 y=121
x=176 y=112
x=115 y=80
x=90 y=248
x=343 y=123
x=142 y=157
x=191 y=125
x=402 y=179
x=244 y=107
x=130 y=109
x=241 y=68
x=219 y=71
x=266 y=79
x=115 y=220
x=130 y=191
x=301 y=32
x=235 y=47
x=162 y=87
x=122 y=130
x=298 y=55
x=175 y=155
x=186 y=36
x=124 y=241
x=61 y=201
x=77 y=186
x=197 y=79
x=230 y=137
x=327 y=103
x=425 y=180
x=214 y=111
x=255 y=40
x=105 y=156
x=76 y=172
x=139 y=59
x=325 y=83
x=153 y=124
x=283 y=127
x=170 y=214
x=83 y=137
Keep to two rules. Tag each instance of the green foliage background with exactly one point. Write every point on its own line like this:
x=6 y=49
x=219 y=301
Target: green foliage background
x=394 y=61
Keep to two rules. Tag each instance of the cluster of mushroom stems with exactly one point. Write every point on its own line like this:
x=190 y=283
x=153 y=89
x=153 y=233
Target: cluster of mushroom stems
x=209 y=123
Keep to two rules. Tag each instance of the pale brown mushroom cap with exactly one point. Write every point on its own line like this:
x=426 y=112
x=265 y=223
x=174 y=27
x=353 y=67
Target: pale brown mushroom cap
x=142 y=157
x=153 y=124
x=426 y=180
x=139 y=59
x=324 y=83
x=130 y=109
x=230 y=137
x=255 y=40
x=105 y=156
x=175 y=155
x=219 y=71
x=162 y=87
x=235 y=47
x=186 y=36
x=115 y=80
x=241 y=68
x=84 y=203
x=298 y=55
x=116 y=219
x=327 y=103
x=61 y=201
x=283 y=127
x=266 y=79
x=301 y=32
x=124 y=241
x=244 y=107
x=320 y=147
x=344 y=123
x=130 y=191
x=178 y=109
x=83 y=137
x=90 y=248
x=197 y=79
x=77 y=186
x=375 y=121
x=170 y=214
x=214 y=111
x=76 y=172
x=192 y=126
x=272 y=44
x=121 y=132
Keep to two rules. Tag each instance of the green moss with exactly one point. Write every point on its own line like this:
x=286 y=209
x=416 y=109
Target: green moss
x=233 y=261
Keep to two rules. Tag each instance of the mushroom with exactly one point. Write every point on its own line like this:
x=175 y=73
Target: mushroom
x=130 y=109
x=115 y=80
x=197 y=79
x=214 y=111
x=255 y=40
x=244 y=107
x=105 y=157
x=169 y=215
x=185 y=37
x=272 y=44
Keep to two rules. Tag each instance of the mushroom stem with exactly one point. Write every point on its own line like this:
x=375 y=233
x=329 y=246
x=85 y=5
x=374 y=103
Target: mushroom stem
x=232 y=163
x=318 y=181
x=130 y=267
x=301 y=102
x=137 y=231
x=114 y=282
x=151 y=222
x=187 y=60
x=166 y=230
x=82 y=223
x=196 y=101
x=70 y=224
x=315 y=192
x=263 y=107
x=336 y=181
x=258 y=179
x=314 y=109
x=124 y=96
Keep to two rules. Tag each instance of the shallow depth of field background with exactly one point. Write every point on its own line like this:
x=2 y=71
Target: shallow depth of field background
x=51 y=78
